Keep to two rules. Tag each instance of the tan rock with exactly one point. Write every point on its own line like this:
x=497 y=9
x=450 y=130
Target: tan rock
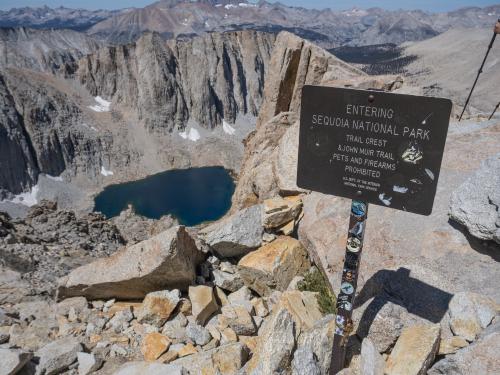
x=120 y=306
x=274 y=265
x=279 y=211
x=166 y=261
x=203 y=303
x=249 y=341
x=186 y=350
x=303 y=307
x=158 y=306
x=239 y=320
x=228 y=359
x=214 y=332
x=185 y=306
x=228 y=336
x=287 y=229
x=168 y=357
x=221 y=296
x=414 y=351
x=452 y=345
x=260 y=307
x=154 y=345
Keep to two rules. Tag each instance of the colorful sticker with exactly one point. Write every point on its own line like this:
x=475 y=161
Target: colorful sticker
x=353 y=244
x=358 y=208
x=345 y=305
x=348 y=275
x=357 y=229
x=347 y=288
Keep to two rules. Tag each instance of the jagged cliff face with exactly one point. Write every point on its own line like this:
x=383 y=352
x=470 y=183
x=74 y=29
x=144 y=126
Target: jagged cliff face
x=41 y=131
x=270 y=161
x=205 y=79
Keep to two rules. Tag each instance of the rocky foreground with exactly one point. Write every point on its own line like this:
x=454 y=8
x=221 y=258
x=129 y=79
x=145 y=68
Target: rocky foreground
x=241 y=295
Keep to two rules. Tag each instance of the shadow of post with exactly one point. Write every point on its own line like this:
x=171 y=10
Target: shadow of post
x=398 y=287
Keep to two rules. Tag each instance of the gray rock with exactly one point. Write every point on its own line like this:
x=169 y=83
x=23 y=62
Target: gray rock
x=13 y=360
x=166 y=261
x=58 y=355
x=237 y=234
x=304 y=362
x=120 y=321
x=242 y=297
x=238 y=318
x=481 y=357
x=475 y=204
x=4 y=337
x=372 y=363
x=175 y=329
x=319 y=340
x=227 y=281
x=79 y=304
x=198 y=334
x=150 y=368
x=88 y=363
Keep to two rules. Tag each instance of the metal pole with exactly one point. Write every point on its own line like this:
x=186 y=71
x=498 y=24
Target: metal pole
x=495 y=32
x=494 y=111
x=345 y=299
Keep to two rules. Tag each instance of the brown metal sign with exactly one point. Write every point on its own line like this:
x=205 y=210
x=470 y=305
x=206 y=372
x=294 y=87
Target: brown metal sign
x=376 y=147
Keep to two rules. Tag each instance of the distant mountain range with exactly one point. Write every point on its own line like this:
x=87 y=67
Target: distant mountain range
x=181 y=18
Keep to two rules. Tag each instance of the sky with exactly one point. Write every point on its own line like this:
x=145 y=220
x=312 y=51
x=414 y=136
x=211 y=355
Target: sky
x=429 y=5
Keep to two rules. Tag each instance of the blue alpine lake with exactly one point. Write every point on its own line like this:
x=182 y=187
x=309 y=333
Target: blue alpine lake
x=192 y=196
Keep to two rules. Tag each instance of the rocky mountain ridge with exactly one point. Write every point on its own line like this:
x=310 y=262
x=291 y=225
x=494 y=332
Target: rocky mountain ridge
x=325 y=27
x=50 y=51
x=58 y=18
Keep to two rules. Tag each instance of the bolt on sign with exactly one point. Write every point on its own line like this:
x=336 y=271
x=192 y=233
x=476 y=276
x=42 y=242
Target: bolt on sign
x=372 y=147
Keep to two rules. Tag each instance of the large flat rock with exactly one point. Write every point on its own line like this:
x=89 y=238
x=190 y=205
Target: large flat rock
x=166 y=261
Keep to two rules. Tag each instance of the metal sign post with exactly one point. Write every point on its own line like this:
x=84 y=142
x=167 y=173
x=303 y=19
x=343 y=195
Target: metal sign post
x=496 y=31
x=374 y=148
x=345 y=299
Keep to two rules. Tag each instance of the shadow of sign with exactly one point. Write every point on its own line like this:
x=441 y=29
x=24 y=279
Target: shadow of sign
x=398 y=287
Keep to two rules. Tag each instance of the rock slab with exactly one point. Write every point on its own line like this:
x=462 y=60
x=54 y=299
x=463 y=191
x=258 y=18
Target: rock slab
x=166 y=261
x=414 y=351
x=274 y=265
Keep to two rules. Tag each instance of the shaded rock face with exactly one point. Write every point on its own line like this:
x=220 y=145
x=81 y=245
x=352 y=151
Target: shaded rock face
x=476 y=203
x=206 y=79
x=14 y=146
x=41 y=133
x=165 y=261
